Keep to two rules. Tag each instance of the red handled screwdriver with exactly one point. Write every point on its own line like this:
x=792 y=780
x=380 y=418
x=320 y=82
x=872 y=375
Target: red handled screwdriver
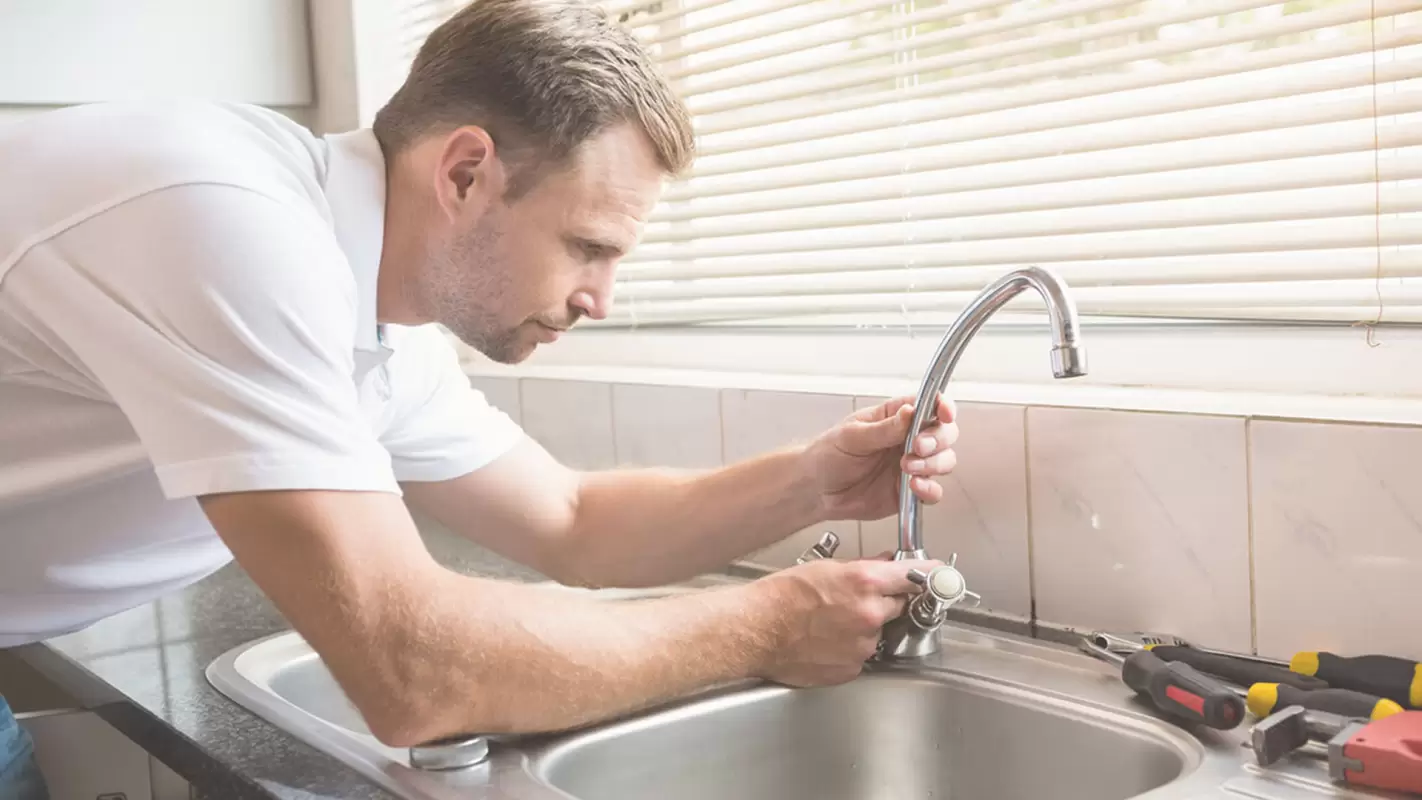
x=1176 y=688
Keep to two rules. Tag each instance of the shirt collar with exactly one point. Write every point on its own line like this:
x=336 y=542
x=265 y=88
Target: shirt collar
x=355 y=190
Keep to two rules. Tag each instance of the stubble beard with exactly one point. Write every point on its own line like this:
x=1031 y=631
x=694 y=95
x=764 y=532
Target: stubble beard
x=467 y=288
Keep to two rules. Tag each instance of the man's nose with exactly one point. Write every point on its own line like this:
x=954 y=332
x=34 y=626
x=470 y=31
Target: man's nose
x=595 y=300
x=589 y=304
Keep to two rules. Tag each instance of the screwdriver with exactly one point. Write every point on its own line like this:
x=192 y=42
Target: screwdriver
x=1175 y=688
x=1264 y=699
x=1397 y=679
x=1235 y=670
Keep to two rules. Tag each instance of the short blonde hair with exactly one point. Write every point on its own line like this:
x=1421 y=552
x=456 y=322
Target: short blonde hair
x=542 y=77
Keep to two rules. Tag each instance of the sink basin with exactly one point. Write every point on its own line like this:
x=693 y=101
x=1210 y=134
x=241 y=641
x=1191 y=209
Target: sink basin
x=991 y=717
x=883 y=735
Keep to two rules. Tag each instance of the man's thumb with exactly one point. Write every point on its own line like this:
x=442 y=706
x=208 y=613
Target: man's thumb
x=863 y=438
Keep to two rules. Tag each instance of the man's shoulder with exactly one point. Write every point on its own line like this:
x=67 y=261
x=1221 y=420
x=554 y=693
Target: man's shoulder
x=177 y=129
x=66 y=164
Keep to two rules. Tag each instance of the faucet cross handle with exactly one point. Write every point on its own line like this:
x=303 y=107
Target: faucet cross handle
x=943 y=587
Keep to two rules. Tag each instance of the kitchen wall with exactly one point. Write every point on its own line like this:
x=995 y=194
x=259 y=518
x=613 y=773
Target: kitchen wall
x=63 y=52
x=1240 y=533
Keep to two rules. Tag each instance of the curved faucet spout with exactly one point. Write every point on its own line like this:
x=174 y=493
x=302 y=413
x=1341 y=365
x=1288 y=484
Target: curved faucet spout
x=1068 y=361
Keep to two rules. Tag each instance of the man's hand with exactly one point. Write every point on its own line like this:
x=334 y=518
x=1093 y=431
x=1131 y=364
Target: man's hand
x=857 y=464
x=832 y=615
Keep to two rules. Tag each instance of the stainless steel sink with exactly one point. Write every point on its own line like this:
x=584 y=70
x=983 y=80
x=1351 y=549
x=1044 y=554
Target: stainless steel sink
x=885 y=735
x=991 y=717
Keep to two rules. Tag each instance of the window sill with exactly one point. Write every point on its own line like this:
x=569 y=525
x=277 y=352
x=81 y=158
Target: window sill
x=1320 y=374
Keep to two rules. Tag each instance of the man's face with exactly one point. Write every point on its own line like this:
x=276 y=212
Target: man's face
x=510 y=275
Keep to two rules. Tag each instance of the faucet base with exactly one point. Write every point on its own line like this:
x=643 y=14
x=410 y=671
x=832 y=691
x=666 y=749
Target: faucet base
x=904 y=638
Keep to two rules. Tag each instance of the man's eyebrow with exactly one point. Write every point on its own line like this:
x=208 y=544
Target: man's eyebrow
x=609 y=246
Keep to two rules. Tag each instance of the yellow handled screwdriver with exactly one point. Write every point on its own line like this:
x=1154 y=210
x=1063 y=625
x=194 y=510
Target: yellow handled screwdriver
x=1397 y=679
x=1263 y=699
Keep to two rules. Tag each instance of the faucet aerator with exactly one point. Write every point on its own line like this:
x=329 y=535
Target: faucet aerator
x=1068 y=361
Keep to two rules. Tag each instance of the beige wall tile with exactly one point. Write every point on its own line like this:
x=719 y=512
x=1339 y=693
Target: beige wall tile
x=1140 y=522
x=1337 y=538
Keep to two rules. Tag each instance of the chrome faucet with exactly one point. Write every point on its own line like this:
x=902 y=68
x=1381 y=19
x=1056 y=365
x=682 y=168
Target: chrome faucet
x=914 y=634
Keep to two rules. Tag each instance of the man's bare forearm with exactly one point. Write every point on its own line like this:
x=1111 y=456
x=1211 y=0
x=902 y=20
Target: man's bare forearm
x=495 y=657
x=646 y=527
x=425 y=653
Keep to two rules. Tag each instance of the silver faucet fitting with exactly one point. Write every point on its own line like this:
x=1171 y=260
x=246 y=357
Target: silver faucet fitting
x=1068 y=361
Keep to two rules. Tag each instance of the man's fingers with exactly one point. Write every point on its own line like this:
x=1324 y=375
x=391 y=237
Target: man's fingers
x=891 y=577
x=865 y=438
x=926 y=489
x=937 y=464
x=936 y=439
x=893 y=606
x=947 y=410
x=885 y=410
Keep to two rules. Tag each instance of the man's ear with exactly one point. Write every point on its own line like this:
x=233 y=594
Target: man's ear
x=468 y=172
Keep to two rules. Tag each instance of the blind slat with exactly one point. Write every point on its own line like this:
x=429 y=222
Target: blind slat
x=991 y=152
x=1327 y=234
x=1152 y=300
x=921 y=206
x=1265 y=150
x=1358 y=264
x=1358 y=200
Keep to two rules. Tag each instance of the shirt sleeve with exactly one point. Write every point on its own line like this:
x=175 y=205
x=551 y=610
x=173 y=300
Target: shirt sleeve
x=221 y=322
x=441 y=426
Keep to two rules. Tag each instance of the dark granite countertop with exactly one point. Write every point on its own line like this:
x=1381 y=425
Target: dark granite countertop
x=143 y=672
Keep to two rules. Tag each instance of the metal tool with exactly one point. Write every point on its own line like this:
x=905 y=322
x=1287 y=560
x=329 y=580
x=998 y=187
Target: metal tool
x=1128 y=642
x=824 y=548
x=1235 y=670
x=1176 y=689
x=1382 y=754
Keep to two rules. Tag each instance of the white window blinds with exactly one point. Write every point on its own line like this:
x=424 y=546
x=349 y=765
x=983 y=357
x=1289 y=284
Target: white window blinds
x=868 y=162
x=873 y=163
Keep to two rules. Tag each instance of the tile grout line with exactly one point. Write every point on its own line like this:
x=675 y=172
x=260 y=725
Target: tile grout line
x=1031 y=554
x=1249 y=533
x=721 y=422
x=518 y=400
x=612 y=421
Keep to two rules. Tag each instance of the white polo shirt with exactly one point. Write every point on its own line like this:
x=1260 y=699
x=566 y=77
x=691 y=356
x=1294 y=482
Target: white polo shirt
x=187 y=306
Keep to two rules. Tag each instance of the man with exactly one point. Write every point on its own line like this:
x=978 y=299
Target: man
x=215 y=342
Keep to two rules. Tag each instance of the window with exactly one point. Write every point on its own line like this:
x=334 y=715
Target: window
x=866 y=161
x=870 y=166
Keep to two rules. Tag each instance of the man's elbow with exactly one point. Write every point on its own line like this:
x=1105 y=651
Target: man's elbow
x=410 y=713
